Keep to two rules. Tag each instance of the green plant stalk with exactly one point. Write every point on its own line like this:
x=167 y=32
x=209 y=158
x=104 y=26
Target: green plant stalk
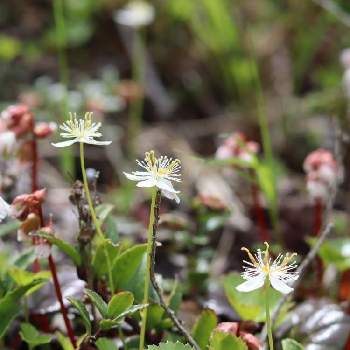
x=148 y=268
x=93 y=214
x=66 y=155
x=268 y=317
x=136 y=105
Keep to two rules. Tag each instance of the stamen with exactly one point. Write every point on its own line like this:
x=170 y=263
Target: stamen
x=250 y=255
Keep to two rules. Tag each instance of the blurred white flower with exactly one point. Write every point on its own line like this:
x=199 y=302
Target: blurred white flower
x=261 y=266
x=80 y=130
x=160 y=172
x=345 y=58
x=7 y=142
x=42 y=250
x=323 y=174
x=5 y=209
x=135 y=14
x=237 y=146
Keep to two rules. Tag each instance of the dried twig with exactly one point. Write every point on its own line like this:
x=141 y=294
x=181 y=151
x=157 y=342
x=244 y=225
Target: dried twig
x=154 y=282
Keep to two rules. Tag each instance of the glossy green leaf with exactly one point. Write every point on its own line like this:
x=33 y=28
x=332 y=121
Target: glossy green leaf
x=249 y=306
x=64 y=341
x=225 y=341
x=203 y=327
x=108 y=324
x=23 y=277
x=119 y=303
x=64 y=246
x=106 y=344
x=335 y=252
x=98 y=302
x=291 y=344
x=83 y=312
x=99 y=261
x=9 y=304
x=170 y=346
x=32 y=336
x=129 y=270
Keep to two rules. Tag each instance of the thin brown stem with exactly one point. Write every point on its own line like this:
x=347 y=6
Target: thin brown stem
x=154 y=282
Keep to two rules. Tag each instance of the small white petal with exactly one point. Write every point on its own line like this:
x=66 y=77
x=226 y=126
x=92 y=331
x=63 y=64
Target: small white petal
x=166 y=185
x=135 y=177
x=252 y=284
x=96 y=142
x=147 y=183
x=171 y=195
x=279 y=285
x=65 y=143
x=5 y=209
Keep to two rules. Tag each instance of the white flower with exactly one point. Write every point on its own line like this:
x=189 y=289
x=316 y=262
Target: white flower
x=160 y=172
x=7 y=142
x=135 y=14
x=80 y=130
x=5 y=209
x=279 y=271
x=42 y=250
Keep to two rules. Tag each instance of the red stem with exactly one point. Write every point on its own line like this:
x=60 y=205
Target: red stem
x=259 y=213
x=52 y=265
x=56 y=283
x=318 y=215
x=318 y=211
x=34 y=175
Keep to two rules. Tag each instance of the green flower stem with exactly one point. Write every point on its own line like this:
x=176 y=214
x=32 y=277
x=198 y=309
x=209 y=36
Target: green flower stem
x=268 y=317
x=148 y=268
x=93 y=215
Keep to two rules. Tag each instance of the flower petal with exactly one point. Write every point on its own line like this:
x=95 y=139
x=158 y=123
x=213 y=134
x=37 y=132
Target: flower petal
x=136 y=177
x=279 y=285
x=95 y=142
x=65 y=143
x=166 y=185
x=147 y=183
x=252 y=284
x=5 y=209
x=171 y=195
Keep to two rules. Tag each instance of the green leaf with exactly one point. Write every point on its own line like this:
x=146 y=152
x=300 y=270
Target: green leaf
x=129 y=270
x=203 y=327
x=108 y=324
x=291 y=344
x=9 y=304
x=98 y=302
x=106 y=344
x=83 y=313
x=225 y=341
x=334 y=251
x=32 y=336
x=64 y=341
x=249 y=306
x=119 y=303
x=103 y=210
x=170 y=346
x=175 y=297
x=9 y=227
x=23 y=277
x=99 y=261
x=64 y=246
x=155 y=314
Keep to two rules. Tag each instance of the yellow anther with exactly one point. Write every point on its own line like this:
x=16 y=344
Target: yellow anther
x=250 y=255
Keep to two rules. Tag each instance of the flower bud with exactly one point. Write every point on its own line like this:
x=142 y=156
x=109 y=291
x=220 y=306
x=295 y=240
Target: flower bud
x=43 y=130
